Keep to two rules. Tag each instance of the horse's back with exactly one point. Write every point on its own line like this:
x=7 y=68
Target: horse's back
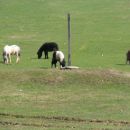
x=59 y=55
x=11 y=49
x=15 y=47
x=50 y=46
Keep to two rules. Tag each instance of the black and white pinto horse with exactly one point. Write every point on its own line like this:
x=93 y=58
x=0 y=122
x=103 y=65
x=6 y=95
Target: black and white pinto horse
x=58 y=56
x=47 y=47
x=11 y=50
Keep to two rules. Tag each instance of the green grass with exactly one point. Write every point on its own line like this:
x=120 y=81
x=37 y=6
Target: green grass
x=99 y=90
x=82 y=94
x=97 y=27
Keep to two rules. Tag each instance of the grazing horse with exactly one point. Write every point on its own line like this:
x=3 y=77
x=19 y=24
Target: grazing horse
x=128 y=57
x=11 y=50
x=47 y=47
x=58 y=56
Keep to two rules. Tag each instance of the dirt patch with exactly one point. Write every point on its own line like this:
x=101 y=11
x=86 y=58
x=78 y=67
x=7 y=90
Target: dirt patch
x=61 y=118
x=109 y=72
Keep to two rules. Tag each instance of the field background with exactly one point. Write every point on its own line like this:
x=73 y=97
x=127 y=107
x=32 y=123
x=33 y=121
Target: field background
x=34 y=96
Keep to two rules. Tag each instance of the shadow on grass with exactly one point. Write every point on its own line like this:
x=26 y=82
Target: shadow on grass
x=35 y=58
x=122 y=64
x=45 y=67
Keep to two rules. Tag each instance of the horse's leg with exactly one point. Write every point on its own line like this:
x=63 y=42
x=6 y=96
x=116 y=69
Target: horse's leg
x=18 y=57
x=55 y=65
x=47 y=54
x=53 y=62
x=17 y=60
x=8 y=58
x=129 y=61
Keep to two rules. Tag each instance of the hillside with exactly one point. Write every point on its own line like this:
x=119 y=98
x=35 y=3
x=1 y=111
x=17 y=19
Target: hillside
x=54 y=99
x=94 y=97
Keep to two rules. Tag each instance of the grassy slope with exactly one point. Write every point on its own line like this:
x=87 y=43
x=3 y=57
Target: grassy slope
x=100 y=95
x=29 y=88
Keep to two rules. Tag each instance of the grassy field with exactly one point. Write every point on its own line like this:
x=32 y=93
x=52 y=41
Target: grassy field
x=81 y=99
x=97 y=27
x=95 y=97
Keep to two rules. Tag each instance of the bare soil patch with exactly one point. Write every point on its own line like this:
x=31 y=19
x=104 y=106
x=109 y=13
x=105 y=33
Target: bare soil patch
x=60 y=118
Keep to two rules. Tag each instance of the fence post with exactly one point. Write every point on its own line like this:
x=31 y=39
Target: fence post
x=69 y=42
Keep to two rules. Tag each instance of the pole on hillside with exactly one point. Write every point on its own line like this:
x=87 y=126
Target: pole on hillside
x=69 y=46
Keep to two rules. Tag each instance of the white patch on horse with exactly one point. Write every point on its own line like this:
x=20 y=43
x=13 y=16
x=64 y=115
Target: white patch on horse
x=11 y=50
x=58 y=56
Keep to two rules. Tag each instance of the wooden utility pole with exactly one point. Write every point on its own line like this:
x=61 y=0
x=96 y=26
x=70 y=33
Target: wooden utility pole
x=69 y=38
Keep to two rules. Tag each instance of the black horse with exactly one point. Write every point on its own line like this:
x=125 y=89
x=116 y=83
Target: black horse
x=128 y=57
x=47 y=47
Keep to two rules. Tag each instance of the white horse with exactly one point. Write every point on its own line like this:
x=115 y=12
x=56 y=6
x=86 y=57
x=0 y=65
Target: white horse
x=11 y=50
x=58 y=56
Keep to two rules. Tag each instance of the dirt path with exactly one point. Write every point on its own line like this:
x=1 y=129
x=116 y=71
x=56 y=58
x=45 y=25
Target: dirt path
x=60 y=118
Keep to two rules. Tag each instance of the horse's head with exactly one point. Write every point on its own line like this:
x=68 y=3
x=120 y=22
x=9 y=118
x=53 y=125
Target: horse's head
x=63 y=63
x=39 y=54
